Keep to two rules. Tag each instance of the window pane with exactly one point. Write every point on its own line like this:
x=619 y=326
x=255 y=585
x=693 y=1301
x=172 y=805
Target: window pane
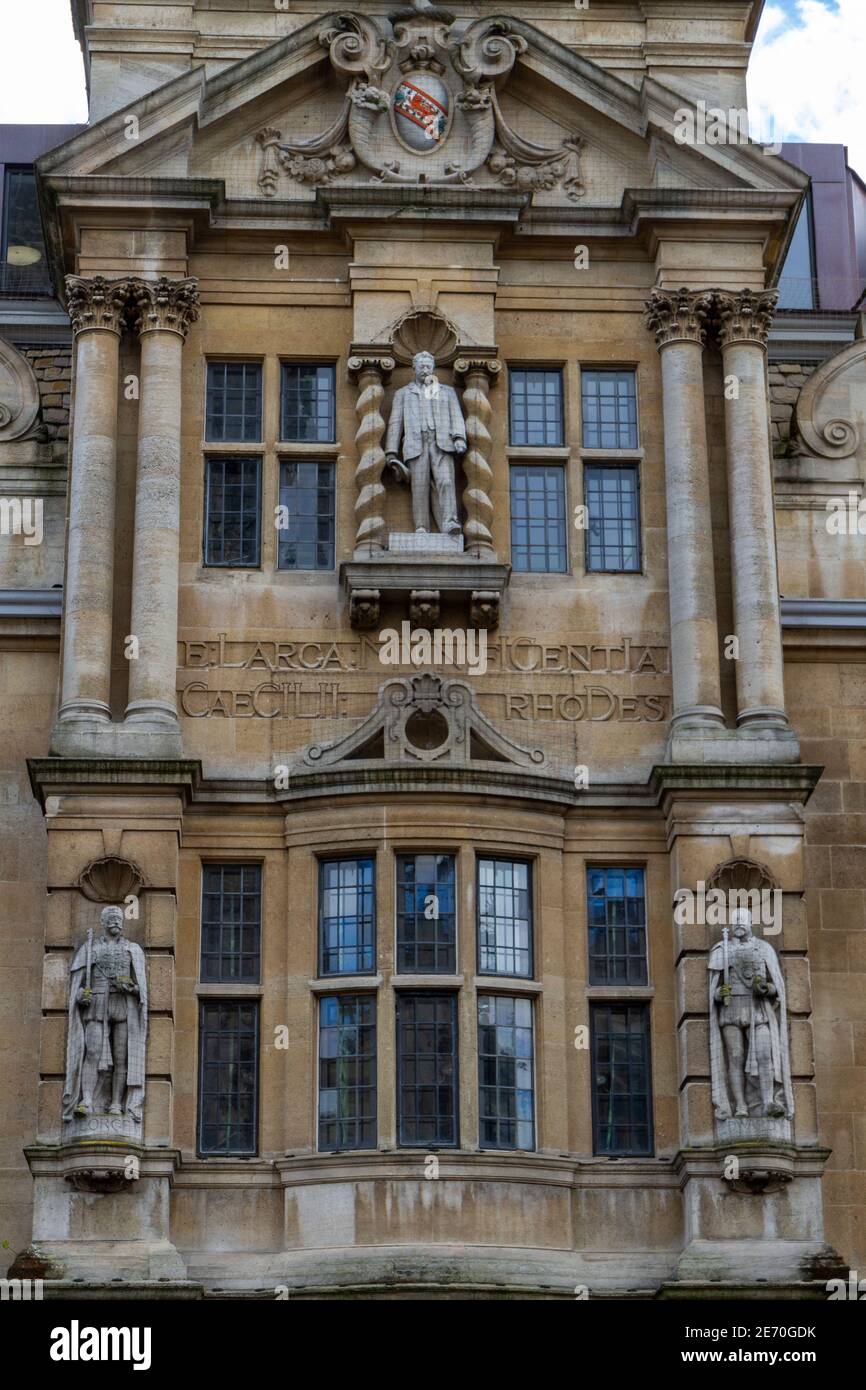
x=228 y=1076
x=609 y=409
x=617 y=927
x=535 y=399
x=231 y=913
x=612 y=502
x=307 y=404
x=23 y=269
x=347 y=1071
x=797 y=282
x=538 y=522
x=504 y=917
x=306 y=534
x=427 y=1069
x=621 y=1088
x=232 y=511
x=234 y=402
x=426 y=938
x=347 y=917
x=506 y=1112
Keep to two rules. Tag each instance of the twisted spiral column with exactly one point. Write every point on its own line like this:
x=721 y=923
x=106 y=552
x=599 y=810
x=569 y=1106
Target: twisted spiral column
x=479 y=374
x=371 y=373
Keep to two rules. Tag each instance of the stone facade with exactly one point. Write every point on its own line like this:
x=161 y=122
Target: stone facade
x=258 y=719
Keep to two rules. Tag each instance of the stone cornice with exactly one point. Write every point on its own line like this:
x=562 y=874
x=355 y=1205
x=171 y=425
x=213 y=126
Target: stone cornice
x=93 y=302
x=164 y=305
x=678 y=316
x=745 y=316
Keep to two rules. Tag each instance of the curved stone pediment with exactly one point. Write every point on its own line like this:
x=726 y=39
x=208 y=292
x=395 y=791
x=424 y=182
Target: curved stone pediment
x=425 y=719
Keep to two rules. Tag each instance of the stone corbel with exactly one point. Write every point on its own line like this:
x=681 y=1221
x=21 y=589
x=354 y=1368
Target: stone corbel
x=479 y=372
x=484 y=609
x=371 y=370
x=364 y=609
x=424 y=608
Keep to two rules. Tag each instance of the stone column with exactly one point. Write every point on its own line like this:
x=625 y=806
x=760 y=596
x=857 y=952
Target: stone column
x=165 y=309
x=678 y=318
x=744 y=325
x=479 y=374
x=96 y=308
x=371 y=371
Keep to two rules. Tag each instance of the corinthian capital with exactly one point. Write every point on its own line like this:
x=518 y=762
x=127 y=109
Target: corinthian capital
x=745 y=316
x=96 y=302
x=674 y=315
x=165 y=305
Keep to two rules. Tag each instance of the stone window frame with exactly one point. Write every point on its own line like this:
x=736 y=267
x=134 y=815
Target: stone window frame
x=286 y=457
x=415 y=854
x=401 y=996
x=549 y=455
x=532 y=876
x=210 y=865
x=342 y=858
x=591 y=866
x=632 y=458
x=227 y=454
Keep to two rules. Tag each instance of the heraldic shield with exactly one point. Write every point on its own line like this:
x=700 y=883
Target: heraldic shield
x=420 y=111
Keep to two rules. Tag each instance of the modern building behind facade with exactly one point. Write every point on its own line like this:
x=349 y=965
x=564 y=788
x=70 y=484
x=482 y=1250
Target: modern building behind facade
x=404 y=828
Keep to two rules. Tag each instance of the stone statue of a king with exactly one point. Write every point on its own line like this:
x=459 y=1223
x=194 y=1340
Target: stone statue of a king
x=428 y=418
x=749 y=1055
x=107 y=1028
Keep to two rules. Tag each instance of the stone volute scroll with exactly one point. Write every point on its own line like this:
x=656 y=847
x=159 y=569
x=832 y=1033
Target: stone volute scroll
x=107 y=1008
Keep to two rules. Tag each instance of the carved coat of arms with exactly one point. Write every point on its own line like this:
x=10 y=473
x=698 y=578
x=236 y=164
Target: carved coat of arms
x=421 y=105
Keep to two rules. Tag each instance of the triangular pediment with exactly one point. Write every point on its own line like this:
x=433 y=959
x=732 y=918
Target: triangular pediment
x=416 y=100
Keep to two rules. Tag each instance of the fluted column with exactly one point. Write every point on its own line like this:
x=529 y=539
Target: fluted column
x=744 y=321
x=678 y=318
x=479 y=374
x=371 y=371
x=164 y=310
x=96 y=308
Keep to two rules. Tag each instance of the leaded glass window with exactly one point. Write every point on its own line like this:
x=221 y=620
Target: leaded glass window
x=347 y=1071
x=307 y=404
x=504 y=917
x=506 y=1113
x=232 y=512
x=426 y=940
x=538 y=529
x=306 y=541
x=233 y=413
x=427 y=1094
x=231 y=919
x=621 y=1085
x=613 y=506
x=535 y=402
x=347 y=917
x=609 y=409
x=617 y=926
x=228 y=1076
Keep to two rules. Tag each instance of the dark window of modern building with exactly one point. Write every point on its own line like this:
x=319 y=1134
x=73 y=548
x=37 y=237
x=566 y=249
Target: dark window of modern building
x=621 y=1086
x=228 y=1076
x=231 y=923
x=504 y=917
x=609 y=409
x=347 y=917
x=538 y=529
x=536 y=407
x=307 y=404
x=617 y=926
x=427 y=1109
x=613 y=506
x=797 y=282
x=505 y=1089
x=426 y=937
x=306 y=534
x=23 y=265
x=233 y=413
x=347 y=1071
x=232 y=512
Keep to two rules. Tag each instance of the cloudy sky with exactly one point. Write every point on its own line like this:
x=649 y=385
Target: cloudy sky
x=807 y=78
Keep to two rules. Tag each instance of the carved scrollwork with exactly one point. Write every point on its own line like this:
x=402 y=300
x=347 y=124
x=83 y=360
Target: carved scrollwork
x=356 y=46
x=521 y=164
x=837 y=386
x=489 y=48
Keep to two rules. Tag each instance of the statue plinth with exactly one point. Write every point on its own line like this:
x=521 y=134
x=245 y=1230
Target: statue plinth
x=424 y=543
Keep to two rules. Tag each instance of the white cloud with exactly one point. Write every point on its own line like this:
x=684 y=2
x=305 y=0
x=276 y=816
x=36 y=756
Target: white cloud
x=41 y=71
x=806 y=77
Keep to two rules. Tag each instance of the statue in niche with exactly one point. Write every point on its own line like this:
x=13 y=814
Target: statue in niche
x=749 y=1057
x=427 y=417
x=107 y=1025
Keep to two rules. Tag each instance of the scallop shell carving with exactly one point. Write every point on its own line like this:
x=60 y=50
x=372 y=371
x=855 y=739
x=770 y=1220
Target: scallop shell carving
x=741 y=874
x=110 y=880
x=423 y=331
